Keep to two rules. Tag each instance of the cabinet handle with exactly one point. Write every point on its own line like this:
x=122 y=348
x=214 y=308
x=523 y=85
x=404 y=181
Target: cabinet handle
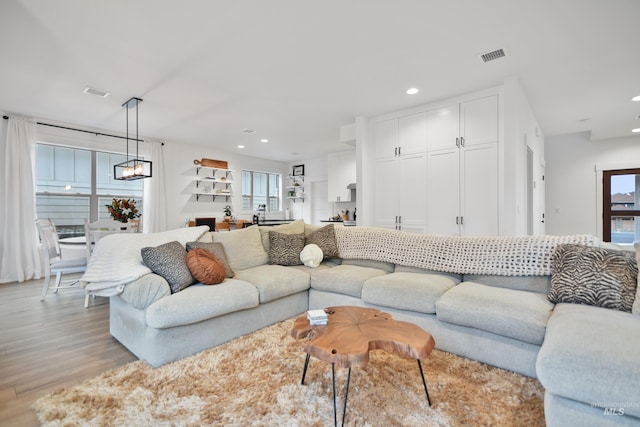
x=400 y=219
x=457 y=142
x=461 y=220
x=462 y=141
x=457 y=220
x=395 y=151
x=399 y=151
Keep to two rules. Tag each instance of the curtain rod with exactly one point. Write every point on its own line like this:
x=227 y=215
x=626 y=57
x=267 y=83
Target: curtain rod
x=82 y=130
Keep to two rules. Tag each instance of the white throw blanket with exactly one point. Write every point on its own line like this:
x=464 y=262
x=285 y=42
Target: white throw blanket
x=116 y=260
x=496 y=255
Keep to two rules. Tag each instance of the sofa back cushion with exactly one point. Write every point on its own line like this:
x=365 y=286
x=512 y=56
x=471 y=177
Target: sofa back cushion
x=406 y=269
x=540 y=284
x=243 y=247
x=387 y=267
x=295 y=227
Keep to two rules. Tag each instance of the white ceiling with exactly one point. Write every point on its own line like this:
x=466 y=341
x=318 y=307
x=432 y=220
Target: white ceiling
x=296 y=70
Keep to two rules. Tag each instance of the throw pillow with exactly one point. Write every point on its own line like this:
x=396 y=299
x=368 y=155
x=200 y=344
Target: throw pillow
x=636 y=302
x=311 y=255
x=217 y=249
x=294 y=227
x=325 y=238
x=243 y=248
x=205 y=266
x=593 y=276
x=284 y=249
x=169 y=261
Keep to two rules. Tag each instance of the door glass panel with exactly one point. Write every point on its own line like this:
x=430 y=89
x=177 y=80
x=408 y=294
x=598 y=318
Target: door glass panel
x=623 y=229
x=623 y=192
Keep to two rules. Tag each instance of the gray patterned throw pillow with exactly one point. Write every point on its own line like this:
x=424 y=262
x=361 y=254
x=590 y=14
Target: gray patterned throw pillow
x=593 y=276
x=169 y=261
x=284 y=249
x=325 y=238
x=217 y=249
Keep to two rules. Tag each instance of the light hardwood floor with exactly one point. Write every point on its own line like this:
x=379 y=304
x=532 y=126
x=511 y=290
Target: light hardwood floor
x=45 y=345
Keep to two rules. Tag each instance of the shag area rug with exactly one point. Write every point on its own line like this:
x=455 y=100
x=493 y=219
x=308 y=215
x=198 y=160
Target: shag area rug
x=255 y=381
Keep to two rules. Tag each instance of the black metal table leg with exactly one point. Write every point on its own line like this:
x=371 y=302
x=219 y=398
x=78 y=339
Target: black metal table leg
x=333 y=376
x=424 y=382
x=346 y=396
x=304 y=371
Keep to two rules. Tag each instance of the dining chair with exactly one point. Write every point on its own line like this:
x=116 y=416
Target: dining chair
x=94 y=231
x=53 y=261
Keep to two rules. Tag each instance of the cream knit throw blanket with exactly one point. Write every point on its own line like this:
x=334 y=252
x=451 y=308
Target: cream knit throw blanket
x=497 y=255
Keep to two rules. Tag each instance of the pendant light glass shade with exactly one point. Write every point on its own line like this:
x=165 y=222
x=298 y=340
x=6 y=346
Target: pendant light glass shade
x=135 y=168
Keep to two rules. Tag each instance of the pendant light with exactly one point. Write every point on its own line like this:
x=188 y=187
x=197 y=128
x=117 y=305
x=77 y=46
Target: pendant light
x=135 y=168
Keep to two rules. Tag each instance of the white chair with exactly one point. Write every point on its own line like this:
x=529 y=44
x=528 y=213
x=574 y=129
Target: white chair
x=53 y=261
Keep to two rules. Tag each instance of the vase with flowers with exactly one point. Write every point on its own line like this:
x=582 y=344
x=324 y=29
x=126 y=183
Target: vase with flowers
x=227 y=213
x=123 y=210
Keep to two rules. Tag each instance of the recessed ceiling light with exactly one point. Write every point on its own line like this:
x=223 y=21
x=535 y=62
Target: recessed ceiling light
x=240 y=146
x=636 y=130
x=265 y=140
x=97 y=92
x=412 y=91
x=636 y=98
x=247 y=130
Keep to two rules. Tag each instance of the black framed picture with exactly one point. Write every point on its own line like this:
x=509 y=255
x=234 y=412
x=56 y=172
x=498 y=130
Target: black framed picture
x=298 y=170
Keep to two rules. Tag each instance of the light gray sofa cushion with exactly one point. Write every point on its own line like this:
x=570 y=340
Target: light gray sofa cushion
x=369 y=263
x=275 y=281
x=520 y=315
x=540 y=284
x=407 y=291
x=200 y=302
x=406 y=269
x=590 y=354
x=344 y=279
x=146 y=290
x=243 y=247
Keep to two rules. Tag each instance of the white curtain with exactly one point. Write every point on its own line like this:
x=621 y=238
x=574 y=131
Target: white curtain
x=20 y=254
x=155 y=202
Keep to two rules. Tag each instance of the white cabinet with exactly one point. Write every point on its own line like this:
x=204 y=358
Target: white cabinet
x=342 y=172
x=398 y=136
x=463 y=125
x=463 y=168
x=400 y=173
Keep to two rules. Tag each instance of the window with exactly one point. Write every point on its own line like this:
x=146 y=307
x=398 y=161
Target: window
x=620 y=209
x=260 y=188
x=73 y=184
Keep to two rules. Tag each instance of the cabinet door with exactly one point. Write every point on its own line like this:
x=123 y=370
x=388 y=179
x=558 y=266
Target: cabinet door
x=342 y=172
x=479 y=192
x=385 y=207
x=412 y=133
x=385 y=138
x=443 y=196
x=443 y=127
x=412 y=192
x=479 y=121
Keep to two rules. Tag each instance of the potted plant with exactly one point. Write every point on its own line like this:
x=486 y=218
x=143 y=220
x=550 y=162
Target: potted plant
x=227 y=213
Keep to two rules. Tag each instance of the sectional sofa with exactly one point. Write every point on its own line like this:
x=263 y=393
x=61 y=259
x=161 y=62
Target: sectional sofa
x=485 y=298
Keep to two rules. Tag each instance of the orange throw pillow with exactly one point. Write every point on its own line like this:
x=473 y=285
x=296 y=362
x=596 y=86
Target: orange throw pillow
x=205 y=266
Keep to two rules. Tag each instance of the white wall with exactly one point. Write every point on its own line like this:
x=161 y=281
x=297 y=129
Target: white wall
x=572 y=200
x=521 y=130
x=179 y=169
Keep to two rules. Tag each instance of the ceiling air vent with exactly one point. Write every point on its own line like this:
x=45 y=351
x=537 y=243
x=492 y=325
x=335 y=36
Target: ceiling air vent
x=97 y=92
x=493 y=55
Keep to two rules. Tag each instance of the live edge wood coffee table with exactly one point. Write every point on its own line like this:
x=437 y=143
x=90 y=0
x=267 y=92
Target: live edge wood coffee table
x=351 y=333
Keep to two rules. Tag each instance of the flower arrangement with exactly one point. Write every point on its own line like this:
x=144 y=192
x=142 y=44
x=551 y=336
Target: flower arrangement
x=123 y=210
